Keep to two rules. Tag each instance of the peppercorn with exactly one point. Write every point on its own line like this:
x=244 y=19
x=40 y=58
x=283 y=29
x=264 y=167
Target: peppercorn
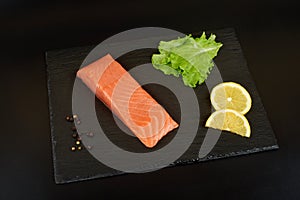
x=69 y=119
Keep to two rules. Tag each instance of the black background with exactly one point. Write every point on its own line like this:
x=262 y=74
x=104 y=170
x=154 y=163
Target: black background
x=269 y=33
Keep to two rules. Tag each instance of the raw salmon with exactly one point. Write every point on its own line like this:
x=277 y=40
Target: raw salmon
x=121 y=93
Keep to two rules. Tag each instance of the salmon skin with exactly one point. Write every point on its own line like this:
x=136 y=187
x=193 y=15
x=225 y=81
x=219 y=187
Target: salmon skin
x=123 y=95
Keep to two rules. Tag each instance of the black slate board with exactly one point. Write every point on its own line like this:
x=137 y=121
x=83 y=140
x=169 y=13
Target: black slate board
x=69 y=166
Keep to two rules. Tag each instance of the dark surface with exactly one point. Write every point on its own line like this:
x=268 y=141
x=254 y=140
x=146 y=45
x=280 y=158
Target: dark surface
x=269 y=34
x=62 y=66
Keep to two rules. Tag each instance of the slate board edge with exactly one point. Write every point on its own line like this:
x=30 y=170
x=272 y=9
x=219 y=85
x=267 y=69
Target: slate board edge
x=234 y=34
x=51 y=122
x=187 y=162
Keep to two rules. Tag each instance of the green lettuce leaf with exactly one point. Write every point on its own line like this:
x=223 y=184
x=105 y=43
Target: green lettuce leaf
x=189 y=57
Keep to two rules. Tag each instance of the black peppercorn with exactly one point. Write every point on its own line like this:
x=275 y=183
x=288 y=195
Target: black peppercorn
x=69 y=119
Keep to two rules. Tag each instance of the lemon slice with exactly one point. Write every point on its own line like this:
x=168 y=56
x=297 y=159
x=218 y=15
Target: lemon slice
x=229 y=120
x=230 y=95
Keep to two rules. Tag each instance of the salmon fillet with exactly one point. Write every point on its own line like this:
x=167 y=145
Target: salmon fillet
x=123 y=95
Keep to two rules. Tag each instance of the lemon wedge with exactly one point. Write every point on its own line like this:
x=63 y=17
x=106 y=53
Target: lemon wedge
x=229 y=120
x=230 y=95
